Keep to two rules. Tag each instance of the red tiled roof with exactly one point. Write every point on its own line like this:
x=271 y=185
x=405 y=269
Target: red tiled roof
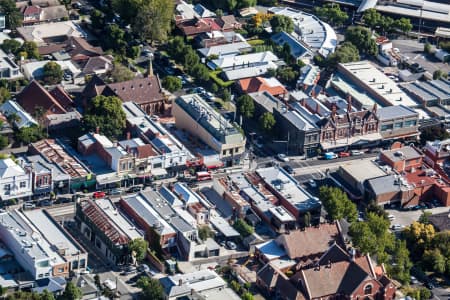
x=193 y=27
x=31 y=10
x=145 y=151
x=258 y=84
x=103 y=223
x=62 y=97
x=35 y=95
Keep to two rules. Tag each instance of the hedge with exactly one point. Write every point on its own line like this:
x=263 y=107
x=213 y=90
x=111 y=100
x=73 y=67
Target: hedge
x=214 y=76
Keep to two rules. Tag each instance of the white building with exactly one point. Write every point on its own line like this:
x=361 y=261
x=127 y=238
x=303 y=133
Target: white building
x=9 y=70
x=32 y=252
x=15 y=182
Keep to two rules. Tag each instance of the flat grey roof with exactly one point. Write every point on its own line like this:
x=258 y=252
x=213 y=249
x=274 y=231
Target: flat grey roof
x=406 y=152
x=52 y=232
x=362 y=170
x=383 y=184
x=393 y=112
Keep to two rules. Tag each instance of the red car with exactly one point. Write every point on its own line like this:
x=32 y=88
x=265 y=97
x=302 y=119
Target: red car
x=344 y=154
x=98 y=195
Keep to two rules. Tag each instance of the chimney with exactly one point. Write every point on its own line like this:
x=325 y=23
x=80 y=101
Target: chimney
x=180 y=282
x=349 y=103
x=317 y=108
x=333 y=110
x=97 y=130
x=329 y=264
x=313 y=93
x=128 y=135
x=127 y=148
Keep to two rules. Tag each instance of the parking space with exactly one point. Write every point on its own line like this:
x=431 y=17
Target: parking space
x=405 y=218
x=413 y=51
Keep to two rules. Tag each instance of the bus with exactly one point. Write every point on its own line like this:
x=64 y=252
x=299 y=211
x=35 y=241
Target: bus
x=203 y=176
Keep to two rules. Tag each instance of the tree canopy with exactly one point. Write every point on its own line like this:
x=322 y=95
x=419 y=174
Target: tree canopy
x=151 y=288
x=172 y=83
x=345 y=53
x=71 y=292
x=30 y=134
x=337 y=204
x=267 y=121
x=139 y=246
x=121 y=73
x=361 y=37
x=246 y=106
x=332 y=13
x=243 y=228
x=281 y=23
x=433 y=133
x=52 y=73
x=13 y=15
x=105 y=113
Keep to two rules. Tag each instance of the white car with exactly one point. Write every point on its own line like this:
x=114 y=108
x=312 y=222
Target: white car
x=391 y=217
x=282 y=157
x=231 y=245
x=312 y=183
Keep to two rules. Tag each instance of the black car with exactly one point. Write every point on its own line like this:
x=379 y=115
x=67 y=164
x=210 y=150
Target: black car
x=134 y=189
x=429 y=285
x=288 y=169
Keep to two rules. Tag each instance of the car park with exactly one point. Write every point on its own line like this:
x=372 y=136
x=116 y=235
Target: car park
x=98 y=195
x=282 y=157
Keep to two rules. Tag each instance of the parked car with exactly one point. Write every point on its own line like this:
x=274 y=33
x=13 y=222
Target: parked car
x=356 y=152
x=231 y=245
x=129 y=270
x=288 y=169
x=344 y=154
x=429 y=285
x=414 y=280
x=143 y=268
x=115 y=192
x=330 y=155
x=312 y=183
x=28 y=205
x=46 y=203
x=391 y=217
x=282 y=157
x=134 y=189
x=98 y=195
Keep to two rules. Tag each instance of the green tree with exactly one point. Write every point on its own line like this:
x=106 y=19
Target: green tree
x=438 y=74
x=226 y=95
x=287 y=75
x=11 y=46
x=433 y=133
x=434 y=261
x=345 y=53
x=71 y=292
x=372 y=18
x=133 y=52
x=31 y=49
x=153 y=20
x=337 y=204
x=175 y=47
x=151 y=288
x=105 y=113
x=403 y=24
x=247 y=296
x=172 y=83
x=445 y=45
x=243 y=228
x=361 y=37
x=427 y=48
x=387 y=25
x=4 y=94
x=245 y=106
x=114 y=39
x=267 y=121
x=190 y=58
x=3 y=142
x=46 y=295
x=200 y=72
x=139 y=246
x=332 y=13
x=52 y=73
x=31 y=134
x=13 y=15
x=121 y=73
x=97 y=19
x=419 y=237
x=362 y=237
x=281 y=23
x=400 y=265
x=424 y=217
x=205 y=232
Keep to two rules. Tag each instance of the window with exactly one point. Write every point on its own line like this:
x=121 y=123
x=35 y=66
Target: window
x=410 y=123
x=47 y=274
x=124 y=166
x=60 y=270
x=23 y=184
x=130 y=165
x=45 y=180
x=7 y=187
x=398 y=125
x=387 y=127
x=368 y=289
x=41 y=275
x=224 y=152
x=236 y=150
